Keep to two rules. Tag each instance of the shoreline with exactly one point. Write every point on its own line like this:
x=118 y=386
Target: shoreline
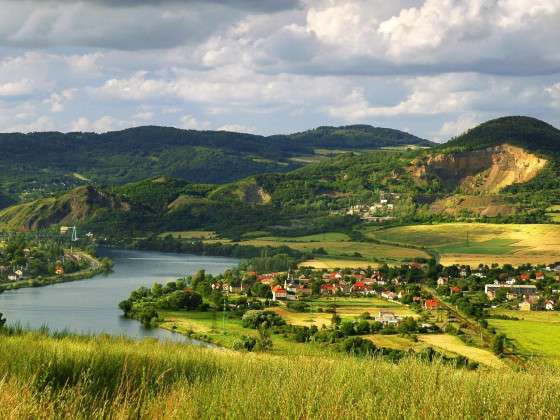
x=95 y=269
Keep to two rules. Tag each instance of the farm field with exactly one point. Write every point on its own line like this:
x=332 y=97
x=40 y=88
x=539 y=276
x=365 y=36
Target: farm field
x=338 y=246
x=475 y=243
x=346 y=308
x=455 y=345
x=191 y=234
x=203 y=323
x=448 y=344
x=535 y=334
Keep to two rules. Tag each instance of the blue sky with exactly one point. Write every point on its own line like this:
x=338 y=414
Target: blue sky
x=434 y=68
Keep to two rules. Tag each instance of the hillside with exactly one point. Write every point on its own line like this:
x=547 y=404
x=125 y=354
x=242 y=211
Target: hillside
x=526 y=132
x=357 y=137
x=33 y=165
x=498 y=181
x=104 y=377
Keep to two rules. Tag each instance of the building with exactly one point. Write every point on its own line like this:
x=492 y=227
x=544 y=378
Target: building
x=387 y=317
x=549 y=305
x=59 y=270
x=278 y=292
x=328 y=289
x=431 y=304
x=515 y=290
x=442 y=281
x=525 y=306
x=389 y=295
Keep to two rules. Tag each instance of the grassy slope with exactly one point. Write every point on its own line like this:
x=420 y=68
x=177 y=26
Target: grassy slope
x=536 y=334
x=103 y=377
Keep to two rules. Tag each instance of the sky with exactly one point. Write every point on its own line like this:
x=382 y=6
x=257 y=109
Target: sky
x=434 y=68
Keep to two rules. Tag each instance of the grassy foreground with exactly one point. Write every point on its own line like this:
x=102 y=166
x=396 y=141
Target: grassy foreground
x=102 y=377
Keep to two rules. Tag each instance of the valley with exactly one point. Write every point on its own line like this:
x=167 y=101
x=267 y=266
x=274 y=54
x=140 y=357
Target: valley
x=338 y=246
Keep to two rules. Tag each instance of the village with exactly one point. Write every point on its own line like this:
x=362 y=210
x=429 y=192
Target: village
x=526 y=288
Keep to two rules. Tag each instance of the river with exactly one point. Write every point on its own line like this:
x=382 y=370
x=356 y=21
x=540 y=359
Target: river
x=90 y=306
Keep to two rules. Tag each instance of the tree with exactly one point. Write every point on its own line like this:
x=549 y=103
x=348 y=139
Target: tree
x=264 y=342
x=126 y=306
x=335 y=320
x=498 y=344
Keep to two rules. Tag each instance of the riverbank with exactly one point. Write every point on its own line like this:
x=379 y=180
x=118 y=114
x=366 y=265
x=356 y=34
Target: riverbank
x=96 y=267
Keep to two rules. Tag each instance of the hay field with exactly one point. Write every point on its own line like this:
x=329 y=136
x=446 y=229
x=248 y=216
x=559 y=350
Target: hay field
x=475 y=243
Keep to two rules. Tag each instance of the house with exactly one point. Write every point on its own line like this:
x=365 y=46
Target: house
x=19 y=273
x=431 y=304
x=524 y=277
x=59 y=270
x=235 y=289
x=328 y=289
x=513 y=290
x=387 y=317
x=268 y=278
x=442 y=281
x=359 y=286
x=278 y=292
x=479 y=275
x=455 y=289
x=389 y=295
x=549 y=305
x=525 y=306
x=304 y=290
x=539 y=275
x=334 y=276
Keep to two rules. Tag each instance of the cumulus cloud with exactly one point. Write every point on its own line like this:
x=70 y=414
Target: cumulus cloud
x=101 y=125
x=433 y=66
x=237 y=128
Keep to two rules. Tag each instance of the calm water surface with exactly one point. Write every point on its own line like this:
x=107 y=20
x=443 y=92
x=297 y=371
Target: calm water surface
x=90 y=306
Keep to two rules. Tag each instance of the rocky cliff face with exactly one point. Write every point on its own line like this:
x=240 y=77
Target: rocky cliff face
x=486 y=171
x=73 y=207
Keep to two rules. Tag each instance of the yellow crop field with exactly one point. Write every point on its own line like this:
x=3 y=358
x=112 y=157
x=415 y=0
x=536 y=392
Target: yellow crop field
x=475 y=243
x=455 y=345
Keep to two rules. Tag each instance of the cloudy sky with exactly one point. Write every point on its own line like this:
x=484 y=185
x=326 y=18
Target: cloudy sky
x=433 y=67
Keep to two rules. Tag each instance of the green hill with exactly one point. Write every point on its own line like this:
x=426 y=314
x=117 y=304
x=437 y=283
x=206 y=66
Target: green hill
x=36 y=164
x=526 y=132
x=498 y=180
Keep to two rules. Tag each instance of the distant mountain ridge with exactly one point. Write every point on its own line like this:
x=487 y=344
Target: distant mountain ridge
x=39 y=163
x=500 y=175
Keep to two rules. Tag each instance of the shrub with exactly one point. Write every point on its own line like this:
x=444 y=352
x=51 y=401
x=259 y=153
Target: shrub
x=255 y=319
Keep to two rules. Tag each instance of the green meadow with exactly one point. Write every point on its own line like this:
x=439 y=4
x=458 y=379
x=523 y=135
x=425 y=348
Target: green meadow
x=102 y=377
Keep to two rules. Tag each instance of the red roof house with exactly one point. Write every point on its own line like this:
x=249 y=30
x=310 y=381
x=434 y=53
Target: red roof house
x=431 y=304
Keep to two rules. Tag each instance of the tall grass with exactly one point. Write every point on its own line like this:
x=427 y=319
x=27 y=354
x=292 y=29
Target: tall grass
x=103 y=377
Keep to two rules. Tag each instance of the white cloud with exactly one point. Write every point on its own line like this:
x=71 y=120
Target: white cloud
x=554 y=92
x=43 y=123
x=57 y=101
x=100 y=125
x=458 y=126
x=237 y=128
x=17 y=88
x=191 y=123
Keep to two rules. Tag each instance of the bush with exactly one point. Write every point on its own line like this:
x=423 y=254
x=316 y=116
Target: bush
x=357 y=346
x=298 y=306
x=245 y=343
x=255 y=319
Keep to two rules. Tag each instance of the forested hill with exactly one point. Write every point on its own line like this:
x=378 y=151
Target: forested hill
x=38 y=163
x=358 y=136
x=526 y=132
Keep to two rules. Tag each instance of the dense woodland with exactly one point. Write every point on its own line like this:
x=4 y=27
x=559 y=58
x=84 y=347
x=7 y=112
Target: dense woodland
x=41 y=163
